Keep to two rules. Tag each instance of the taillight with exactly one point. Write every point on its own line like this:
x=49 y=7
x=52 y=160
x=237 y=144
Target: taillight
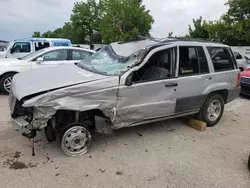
x=238 y=80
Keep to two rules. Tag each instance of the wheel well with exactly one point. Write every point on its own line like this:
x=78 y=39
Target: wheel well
x=12 y=72
x=65 y=117
x=223 y=93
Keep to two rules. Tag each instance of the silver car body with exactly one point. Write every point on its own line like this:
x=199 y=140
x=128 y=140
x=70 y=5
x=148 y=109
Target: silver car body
x=242 y=61
x=73 y=88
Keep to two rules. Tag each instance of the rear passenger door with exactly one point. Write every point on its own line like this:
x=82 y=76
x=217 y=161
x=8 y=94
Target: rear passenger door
x=193 y=78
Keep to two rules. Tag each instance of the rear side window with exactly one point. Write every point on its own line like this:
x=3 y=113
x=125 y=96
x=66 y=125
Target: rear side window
x=192 y=61
x=237 y=55
x=222 y=58
x=41 y=45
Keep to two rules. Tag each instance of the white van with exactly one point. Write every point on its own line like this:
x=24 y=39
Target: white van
x=20 y=48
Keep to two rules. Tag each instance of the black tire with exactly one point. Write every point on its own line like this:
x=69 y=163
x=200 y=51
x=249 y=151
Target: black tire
x=72 y=132
x=50 y=132
x=2 y=81
x=203 y=115
x=249 y=162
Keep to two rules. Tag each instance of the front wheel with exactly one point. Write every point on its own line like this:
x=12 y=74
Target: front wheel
x=249 y=162
x=75 y=139
x=212 y=110
x=5 y=82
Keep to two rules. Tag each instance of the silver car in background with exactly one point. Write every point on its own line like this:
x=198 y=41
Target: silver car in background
x=242 y=60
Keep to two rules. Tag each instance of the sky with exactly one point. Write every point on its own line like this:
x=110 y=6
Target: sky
x=20 y=18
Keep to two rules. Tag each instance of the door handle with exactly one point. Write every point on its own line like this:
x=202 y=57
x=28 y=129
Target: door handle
x=207 y=78
x=171 y=84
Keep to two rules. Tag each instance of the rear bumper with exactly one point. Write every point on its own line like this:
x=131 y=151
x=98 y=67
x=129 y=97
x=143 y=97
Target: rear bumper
x=233 y=94
x=245 y=89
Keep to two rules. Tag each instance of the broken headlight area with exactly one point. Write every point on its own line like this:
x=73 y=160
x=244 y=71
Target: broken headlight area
x=20 y=111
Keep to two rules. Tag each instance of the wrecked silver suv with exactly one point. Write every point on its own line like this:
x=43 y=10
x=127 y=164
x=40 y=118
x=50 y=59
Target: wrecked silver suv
x=124 y=84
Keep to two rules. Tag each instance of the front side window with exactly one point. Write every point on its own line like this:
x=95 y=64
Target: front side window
x=160 y=65
x=107 y=62
x=21 y=47
x=56 y=55
x=32 y=54
x=221 y=58
x=80 y=54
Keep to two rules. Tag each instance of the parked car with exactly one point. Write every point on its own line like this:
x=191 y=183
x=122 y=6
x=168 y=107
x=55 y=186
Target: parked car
x=22 y=47
x=47 y=57
x=245 y=82
x=124 y=84
x=242 y=60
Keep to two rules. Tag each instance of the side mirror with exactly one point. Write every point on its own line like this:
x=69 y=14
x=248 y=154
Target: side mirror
x=39 y=60
x=129 y=79
x=12 y=50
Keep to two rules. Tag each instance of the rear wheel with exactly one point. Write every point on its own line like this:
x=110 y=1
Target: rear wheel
x=249 y=162
x=212 y=110
x=5 y=82
x=75 y=139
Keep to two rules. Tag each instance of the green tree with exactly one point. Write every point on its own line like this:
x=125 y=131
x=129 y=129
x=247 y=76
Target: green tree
x=36 y=34
x=123 y=20
x=105 y=21
x=85 y=20
x=233 y=27
x=199 y=29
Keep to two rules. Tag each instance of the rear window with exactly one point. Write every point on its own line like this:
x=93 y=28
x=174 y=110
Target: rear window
x=222 y=58
x=237 y=55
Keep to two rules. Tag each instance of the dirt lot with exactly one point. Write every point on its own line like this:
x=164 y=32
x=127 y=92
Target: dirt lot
x=167 y=154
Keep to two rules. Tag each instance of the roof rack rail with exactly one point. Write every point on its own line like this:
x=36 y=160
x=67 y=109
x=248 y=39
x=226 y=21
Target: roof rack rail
x=188 y=39
x=136 y=38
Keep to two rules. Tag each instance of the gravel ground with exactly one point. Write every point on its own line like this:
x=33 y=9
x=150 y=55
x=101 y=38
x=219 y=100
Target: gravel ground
x=165 y=155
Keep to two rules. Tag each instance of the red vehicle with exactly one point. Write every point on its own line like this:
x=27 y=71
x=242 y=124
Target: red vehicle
x=245 y=82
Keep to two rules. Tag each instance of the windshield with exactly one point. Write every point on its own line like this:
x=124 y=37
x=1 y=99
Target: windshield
x=32 y=54
x=106 y=62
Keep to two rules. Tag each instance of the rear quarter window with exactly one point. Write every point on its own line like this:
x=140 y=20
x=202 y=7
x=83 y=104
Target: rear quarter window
x=222 y=58
x=237 y=55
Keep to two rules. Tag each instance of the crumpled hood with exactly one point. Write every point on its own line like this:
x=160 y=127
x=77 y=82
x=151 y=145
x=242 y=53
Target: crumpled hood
x=45 y=79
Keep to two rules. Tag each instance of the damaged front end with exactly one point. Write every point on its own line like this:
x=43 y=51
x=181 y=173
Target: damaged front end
x=23 y=118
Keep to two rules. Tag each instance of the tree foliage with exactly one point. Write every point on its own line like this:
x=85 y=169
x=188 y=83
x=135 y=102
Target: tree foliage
x=199 y=29
x=104 y=21
x=233 y=27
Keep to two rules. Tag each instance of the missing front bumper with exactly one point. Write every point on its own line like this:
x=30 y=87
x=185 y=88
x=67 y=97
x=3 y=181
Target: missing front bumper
x=21 y=125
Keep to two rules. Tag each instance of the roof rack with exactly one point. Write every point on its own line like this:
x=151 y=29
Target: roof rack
x=188 y=39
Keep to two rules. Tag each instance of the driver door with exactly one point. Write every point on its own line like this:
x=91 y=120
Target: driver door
x=53 y=58
x=151 y=98
x=19 y=49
